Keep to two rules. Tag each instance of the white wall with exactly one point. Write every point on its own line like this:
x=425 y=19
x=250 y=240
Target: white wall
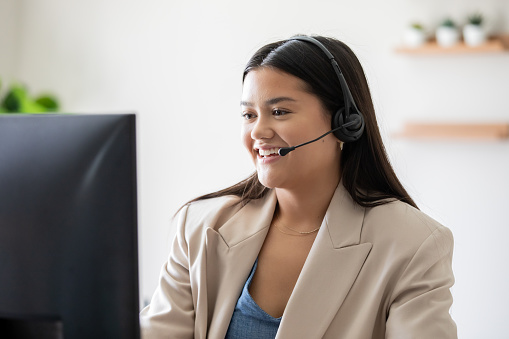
x=9 y=34
x=179 y=65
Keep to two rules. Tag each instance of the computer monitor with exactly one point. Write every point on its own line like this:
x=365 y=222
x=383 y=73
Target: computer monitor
x=68 y=226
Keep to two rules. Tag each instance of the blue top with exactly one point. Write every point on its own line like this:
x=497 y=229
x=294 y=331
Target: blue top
x=249 y=320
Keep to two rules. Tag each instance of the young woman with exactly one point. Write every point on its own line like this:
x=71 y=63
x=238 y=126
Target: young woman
x=322 y=241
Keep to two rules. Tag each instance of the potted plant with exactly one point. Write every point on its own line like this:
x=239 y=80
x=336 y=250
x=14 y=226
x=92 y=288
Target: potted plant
x=414 y=35
x=447 y=34
x=18 y=100
x=473 y=32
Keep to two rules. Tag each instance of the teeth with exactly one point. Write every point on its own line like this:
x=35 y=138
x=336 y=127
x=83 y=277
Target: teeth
x=266 y=152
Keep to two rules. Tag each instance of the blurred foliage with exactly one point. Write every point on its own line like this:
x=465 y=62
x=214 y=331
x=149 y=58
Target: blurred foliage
x=448 y=22
x=417 y=25
x=476 y=19
x=18 y=100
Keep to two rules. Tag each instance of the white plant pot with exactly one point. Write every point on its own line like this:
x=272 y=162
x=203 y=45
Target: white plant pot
x=414 y=37
x=474 y=35
x=447 y=36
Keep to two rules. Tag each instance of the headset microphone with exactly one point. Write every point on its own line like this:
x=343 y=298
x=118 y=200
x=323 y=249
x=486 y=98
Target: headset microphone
x=285 y=150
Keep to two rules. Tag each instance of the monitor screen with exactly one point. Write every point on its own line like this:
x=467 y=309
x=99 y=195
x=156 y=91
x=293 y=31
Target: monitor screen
x=68 y=226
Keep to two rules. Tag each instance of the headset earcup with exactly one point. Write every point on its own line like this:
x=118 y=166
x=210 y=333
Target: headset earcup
x=337 y=120
x=350 y=133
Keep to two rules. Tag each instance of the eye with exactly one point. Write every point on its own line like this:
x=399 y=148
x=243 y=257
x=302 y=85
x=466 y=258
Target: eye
x=279 y=112
x=247 y=115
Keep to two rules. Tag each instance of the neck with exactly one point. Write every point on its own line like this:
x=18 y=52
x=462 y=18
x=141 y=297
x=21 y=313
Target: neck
x=304 y=207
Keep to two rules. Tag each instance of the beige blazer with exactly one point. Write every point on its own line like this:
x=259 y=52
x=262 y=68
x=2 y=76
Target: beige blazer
x=382 y=272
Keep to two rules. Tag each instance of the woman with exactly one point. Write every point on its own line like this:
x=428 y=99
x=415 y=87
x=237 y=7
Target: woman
x=323 y=242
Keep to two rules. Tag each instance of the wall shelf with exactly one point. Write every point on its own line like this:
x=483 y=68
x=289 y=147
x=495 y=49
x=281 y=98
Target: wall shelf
x=497 y=44
x=465 y=131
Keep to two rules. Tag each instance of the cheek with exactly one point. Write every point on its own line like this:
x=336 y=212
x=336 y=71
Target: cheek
x=245 y=136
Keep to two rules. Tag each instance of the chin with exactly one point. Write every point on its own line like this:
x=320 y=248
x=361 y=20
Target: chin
x=267 y=181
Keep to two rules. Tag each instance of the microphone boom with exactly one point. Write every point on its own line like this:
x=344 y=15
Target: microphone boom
x=285 y=150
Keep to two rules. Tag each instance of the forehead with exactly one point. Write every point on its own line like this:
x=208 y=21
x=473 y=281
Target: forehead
x=263 y=82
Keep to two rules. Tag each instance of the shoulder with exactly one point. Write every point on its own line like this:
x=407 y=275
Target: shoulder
x=401 y=226
x=413 y=255
x=212 y=214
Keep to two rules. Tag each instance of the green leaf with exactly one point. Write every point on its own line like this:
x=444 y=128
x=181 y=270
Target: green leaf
x=417 y=25
x=29 y=106
x=476 y=19
x=49 y=102
x=448 y=23
x=11 y=102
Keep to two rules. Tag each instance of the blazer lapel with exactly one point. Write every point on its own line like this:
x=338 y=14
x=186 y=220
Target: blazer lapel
x=231 y=253
x=330 y=270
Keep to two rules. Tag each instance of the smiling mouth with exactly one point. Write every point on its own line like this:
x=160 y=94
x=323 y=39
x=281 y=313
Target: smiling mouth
x=265 y=153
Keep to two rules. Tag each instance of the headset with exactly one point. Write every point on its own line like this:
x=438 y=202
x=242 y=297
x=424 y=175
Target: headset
x=347 y=122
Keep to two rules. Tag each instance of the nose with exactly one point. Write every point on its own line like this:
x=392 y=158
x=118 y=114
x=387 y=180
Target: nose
x=262 y=129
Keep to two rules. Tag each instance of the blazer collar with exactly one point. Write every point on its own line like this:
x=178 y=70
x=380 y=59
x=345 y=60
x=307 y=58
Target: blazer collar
x=344 y=219
x=249 y=220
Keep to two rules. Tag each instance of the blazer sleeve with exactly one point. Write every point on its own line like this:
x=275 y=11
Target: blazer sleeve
x=170 y=313
x=421 y=299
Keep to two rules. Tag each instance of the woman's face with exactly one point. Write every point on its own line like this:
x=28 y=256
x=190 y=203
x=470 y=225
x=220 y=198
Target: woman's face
x=278 y=112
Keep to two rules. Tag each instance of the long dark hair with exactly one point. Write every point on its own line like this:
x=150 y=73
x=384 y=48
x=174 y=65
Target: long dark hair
x=366 y=171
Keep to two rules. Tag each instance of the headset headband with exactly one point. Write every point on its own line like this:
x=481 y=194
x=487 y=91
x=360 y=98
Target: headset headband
x=347 y=95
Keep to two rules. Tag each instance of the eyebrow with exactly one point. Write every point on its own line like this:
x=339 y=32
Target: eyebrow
x=269 y=102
